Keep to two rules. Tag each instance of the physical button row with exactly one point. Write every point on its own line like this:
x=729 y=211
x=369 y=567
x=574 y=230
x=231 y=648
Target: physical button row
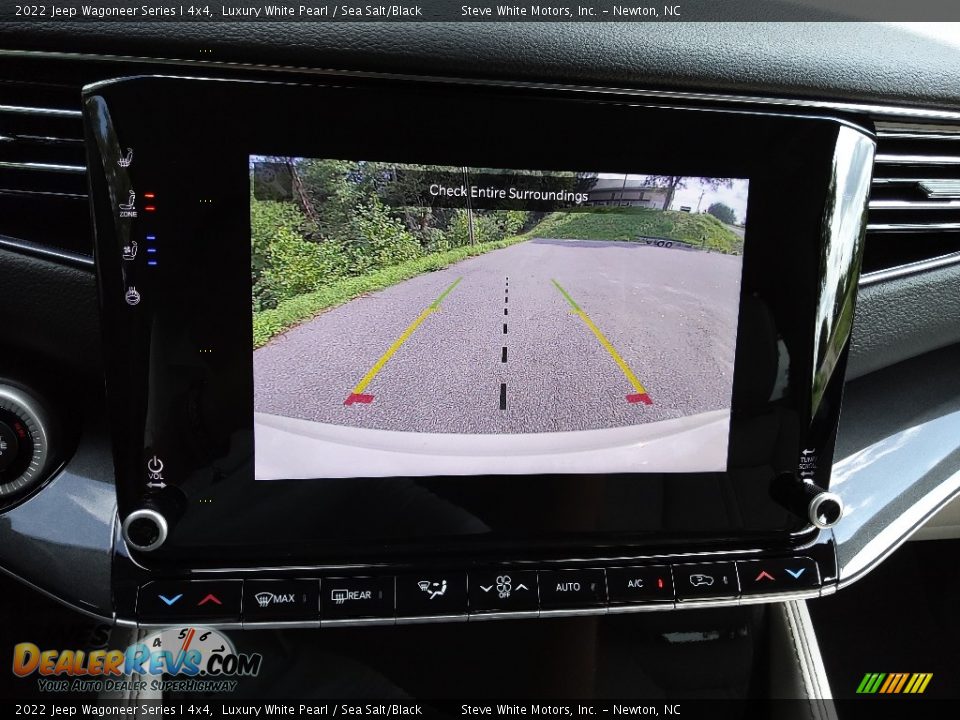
x=508 y=590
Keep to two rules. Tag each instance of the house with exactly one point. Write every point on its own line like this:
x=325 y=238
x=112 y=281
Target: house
x=629 y=193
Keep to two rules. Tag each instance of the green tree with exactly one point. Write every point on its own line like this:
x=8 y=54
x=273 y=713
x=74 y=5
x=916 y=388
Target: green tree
x=672 y=183
x=723 y=213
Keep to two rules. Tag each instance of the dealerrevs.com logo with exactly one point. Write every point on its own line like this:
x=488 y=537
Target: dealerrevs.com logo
x=184 y=659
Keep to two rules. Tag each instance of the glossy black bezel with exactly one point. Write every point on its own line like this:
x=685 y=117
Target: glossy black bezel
x=192 y=140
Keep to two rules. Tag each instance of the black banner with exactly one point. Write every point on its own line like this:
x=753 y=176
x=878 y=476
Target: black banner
x=202 y=11
x=876 y=708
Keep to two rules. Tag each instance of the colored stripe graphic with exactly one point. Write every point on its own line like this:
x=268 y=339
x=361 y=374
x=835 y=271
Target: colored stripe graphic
x=357 y=395
x=894 y=683
x=641 y=393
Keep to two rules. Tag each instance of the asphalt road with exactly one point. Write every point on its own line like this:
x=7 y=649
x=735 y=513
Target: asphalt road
x=669 y=314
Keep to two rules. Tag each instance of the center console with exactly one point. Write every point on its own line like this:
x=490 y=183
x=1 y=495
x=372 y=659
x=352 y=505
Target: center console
x=394 y=351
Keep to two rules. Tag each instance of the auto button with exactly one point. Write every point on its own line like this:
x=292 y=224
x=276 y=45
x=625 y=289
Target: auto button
x=572 y=589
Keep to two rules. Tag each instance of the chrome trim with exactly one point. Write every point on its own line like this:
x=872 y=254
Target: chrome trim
x=917 y=131
x=915 y=204
x=145 y=513
x=573 y=612
x=352 y=622
x=46 y=112
x=504 y=615
x=423 y=619
x=842 y=239
x=28 y=409
x=936 y=136
x=231 y=625
x=24 y=247
x=901 y=271
x=43 y=193
x=767 y=598
x=281 y=624
x=707 y=603
x=619 y=609
x=941 y=188
x=898 y=181
x=44 y=167
x=595 y=611
x=912 y=227
x=892 y=159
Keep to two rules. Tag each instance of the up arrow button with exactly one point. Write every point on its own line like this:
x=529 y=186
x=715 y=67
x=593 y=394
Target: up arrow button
x=778 y=575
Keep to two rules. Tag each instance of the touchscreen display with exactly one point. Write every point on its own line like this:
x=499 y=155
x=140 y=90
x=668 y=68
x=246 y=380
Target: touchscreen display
x=422 y=320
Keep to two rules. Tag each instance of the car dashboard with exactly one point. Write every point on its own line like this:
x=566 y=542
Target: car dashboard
x=755 y=412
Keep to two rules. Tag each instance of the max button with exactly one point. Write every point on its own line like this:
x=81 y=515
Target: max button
x=266 y=600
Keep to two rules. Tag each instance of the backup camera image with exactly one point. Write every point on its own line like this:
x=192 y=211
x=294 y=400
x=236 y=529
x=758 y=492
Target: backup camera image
x=413 y=320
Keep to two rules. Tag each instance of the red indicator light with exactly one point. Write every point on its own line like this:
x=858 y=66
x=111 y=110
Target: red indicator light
x=660 y=583
x=150 y=208
x=150 y=195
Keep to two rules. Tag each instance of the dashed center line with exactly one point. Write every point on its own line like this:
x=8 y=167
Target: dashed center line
x=503 y=350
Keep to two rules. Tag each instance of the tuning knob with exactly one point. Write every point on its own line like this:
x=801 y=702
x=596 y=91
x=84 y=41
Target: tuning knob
x=825 y=508
x=821 y=507
x=25 y=435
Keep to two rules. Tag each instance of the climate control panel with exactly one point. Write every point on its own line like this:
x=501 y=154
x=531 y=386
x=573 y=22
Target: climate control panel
x=484 y=593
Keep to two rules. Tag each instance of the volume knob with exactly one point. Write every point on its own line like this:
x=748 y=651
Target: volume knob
x=144 y=529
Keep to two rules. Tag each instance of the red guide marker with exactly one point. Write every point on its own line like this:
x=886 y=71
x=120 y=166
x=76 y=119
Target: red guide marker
x=210 y=598
x=764 y=575
x=639 y=397
x=358 y=398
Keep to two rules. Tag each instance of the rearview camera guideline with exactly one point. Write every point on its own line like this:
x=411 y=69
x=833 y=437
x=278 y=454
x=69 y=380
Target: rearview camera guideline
x=448 y=306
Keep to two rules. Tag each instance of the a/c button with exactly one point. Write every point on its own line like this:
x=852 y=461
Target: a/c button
x=572 y=588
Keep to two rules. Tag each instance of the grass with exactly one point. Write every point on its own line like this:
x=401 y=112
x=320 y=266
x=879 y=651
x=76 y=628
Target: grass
x=267 y=324
x=634 y=224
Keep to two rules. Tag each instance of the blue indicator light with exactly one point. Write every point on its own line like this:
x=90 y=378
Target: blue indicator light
x=151 y=237
x=151 y=250
x=151 y=262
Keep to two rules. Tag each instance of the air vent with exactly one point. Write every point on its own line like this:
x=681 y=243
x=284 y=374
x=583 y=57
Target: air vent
x=43 y=187
x=915 y=200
